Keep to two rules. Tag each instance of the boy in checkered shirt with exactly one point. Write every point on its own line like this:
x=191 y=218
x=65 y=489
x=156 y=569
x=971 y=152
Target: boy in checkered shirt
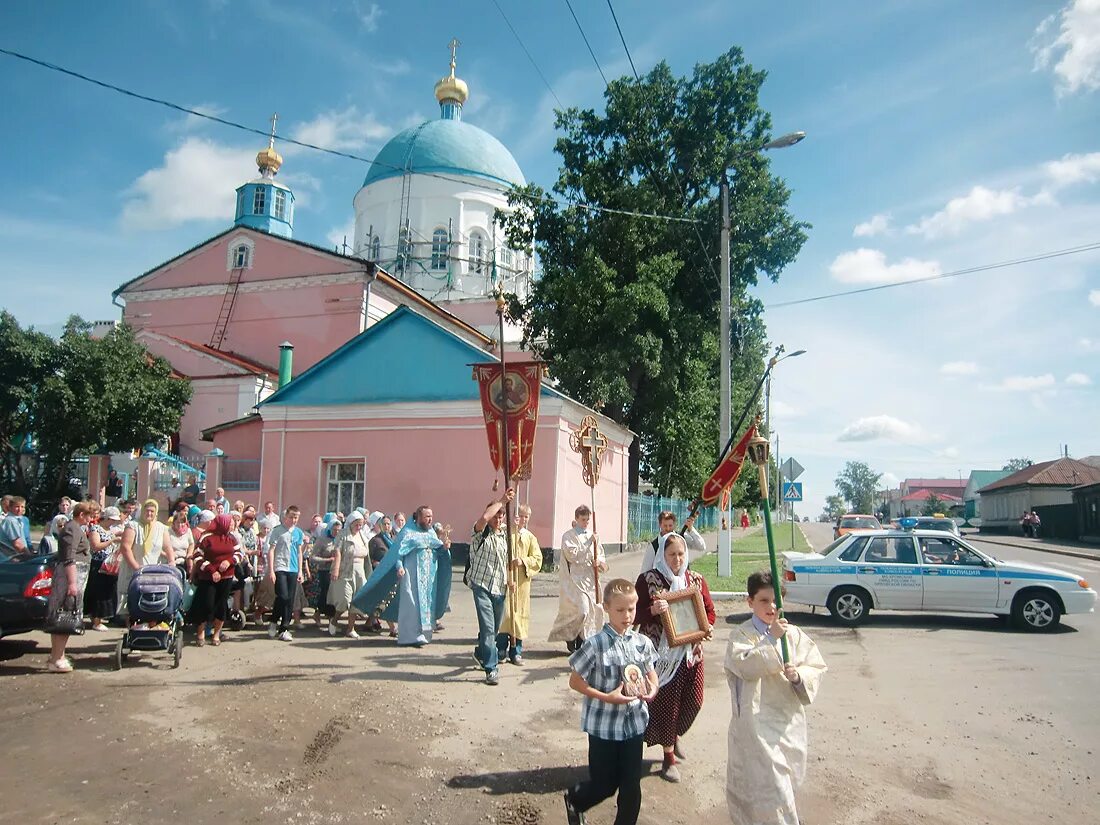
x=614 y=720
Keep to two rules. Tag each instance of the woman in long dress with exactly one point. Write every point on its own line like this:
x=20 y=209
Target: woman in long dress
x=679 y=669
x=145 y=541
x=349 y=566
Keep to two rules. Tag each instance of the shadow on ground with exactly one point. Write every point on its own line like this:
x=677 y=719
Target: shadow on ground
x=538 y=781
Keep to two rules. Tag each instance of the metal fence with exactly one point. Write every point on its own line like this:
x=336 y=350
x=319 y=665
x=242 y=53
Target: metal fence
x=642 y=511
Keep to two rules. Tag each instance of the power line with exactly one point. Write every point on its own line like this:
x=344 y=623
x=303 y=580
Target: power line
x=1042 y=256
x=538 y=71
x=619 y=29
x=584 y=37
x=265 y=133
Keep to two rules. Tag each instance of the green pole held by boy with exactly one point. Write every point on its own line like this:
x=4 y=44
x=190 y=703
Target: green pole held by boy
x=757 y=450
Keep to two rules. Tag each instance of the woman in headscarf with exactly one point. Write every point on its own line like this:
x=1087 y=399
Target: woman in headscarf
x=679 y=669
x=103 y=583
x=182 y=540
x=144 y=541
x=380 y=543
x=215 y=562
x=320 y=565
x=349 y=563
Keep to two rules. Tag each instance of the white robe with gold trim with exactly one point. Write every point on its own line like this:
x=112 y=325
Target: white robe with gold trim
x=578 y=612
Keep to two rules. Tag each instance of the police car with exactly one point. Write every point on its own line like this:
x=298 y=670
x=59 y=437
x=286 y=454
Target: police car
x=911 y=569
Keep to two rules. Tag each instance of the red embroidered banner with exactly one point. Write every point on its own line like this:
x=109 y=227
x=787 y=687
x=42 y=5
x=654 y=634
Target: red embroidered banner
x=729 y=468
x=517 y=396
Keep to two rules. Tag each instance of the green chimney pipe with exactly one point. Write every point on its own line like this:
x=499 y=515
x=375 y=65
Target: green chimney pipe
x=286 y=363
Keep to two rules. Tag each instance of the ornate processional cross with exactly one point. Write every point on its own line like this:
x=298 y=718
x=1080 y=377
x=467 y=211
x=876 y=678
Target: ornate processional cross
x=591 y=444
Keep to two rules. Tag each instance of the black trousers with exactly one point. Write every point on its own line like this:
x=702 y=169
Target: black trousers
x=612 y=766
x=211 y=601
x=286 y=585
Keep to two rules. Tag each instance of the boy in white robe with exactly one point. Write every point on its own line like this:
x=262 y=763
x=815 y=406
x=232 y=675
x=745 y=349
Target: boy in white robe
x=767 y=734
x=579 y=614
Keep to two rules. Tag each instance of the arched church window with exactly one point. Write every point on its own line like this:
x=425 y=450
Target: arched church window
x=477 y=251
x=439 y=249
x=240 y=204
x=259 y=201
x=375 y=248
x=280 y=204
x=506 y=256
x=240 y=257
x=404 y=248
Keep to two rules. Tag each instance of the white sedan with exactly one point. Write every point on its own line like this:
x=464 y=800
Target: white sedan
x=929 y=570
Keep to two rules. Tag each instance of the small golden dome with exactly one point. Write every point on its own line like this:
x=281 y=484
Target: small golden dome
x=269 y=159
x=452 y=88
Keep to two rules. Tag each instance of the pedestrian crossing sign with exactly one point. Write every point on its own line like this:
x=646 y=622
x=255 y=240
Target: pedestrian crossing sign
x=792 y=491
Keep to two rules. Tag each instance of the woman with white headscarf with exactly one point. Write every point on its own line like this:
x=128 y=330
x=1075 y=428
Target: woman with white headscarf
x=144 y=541
x=679 y=669
x=349 y=572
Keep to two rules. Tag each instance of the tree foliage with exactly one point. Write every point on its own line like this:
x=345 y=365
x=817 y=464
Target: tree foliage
x=26 y=358
x=934 y=505
x=626 y=311
x=834 y=507
x=1014 y=465
x=88 y=394
x=856 y=484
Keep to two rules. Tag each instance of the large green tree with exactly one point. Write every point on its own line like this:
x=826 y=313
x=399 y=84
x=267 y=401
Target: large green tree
x=626 y=310
x=105 y=393
x=1016 y=464
x=834 y=507
x=857 y=483
x=26 y=358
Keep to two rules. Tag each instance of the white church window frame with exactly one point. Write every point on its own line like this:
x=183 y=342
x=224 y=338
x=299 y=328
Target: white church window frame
x=345 y=484
x=440 y=249
x=506 y=256
x=375 y=248
x=259 y=201
x=279 y=207
x=237 y=246
x=478 y=245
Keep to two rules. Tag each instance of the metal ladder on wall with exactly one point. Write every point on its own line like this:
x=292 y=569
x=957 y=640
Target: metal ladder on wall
x=404 y=241
x=230 y=298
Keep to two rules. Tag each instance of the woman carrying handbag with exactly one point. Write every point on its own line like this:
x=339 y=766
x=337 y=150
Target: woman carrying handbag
x=64 y=611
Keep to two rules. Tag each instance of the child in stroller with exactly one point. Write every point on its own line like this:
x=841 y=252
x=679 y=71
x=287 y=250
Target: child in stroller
x=155 y=596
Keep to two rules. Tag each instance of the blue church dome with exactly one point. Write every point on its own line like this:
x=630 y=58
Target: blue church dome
x=446 y=146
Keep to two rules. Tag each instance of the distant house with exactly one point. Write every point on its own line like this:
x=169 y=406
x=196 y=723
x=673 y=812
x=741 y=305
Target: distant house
x=972 y=500
x=915 y=503
x=915 y=492
x=1046 y=488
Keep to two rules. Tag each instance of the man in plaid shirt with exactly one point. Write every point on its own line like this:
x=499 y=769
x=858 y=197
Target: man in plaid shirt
x=488 y=579
x=614 y=720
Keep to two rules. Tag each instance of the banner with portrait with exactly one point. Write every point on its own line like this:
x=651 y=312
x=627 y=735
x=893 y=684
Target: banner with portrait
x=515 y=395
x=725 y=474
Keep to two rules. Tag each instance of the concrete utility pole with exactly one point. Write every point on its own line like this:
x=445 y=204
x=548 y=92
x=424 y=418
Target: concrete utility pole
x=725 y=522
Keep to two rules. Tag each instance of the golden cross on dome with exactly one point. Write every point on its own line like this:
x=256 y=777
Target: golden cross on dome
x=453 y=45
x=274 y=118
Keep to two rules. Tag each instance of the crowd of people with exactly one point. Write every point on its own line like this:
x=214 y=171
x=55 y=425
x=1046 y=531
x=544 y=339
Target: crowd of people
x=641 y=685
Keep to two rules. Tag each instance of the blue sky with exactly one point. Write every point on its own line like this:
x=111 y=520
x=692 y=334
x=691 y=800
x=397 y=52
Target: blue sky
x=942 y=135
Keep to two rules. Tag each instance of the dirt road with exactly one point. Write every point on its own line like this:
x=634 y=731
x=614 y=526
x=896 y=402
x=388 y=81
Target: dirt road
x=928 y=720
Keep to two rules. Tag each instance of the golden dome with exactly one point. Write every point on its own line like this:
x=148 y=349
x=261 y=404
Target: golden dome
x=452 y=88
x=269 y=159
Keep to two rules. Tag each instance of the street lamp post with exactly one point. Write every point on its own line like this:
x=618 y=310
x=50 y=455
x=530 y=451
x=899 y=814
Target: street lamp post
x=725 y=524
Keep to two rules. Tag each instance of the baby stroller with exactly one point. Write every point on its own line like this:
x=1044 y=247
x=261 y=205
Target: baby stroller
x=155 y=598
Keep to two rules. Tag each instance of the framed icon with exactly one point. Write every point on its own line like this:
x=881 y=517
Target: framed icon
x=685 y=622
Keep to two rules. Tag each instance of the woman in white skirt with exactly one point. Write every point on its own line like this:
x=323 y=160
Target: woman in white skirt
x=349 y=571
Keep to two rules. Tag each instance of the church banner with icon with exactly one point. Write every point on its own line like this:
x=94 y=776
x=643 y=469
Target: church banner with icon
x=725 y=474
x=517 y=397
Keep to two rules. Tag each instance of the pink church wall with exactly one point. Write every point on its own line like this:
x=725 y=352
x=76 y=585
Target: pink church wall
x=442 y=462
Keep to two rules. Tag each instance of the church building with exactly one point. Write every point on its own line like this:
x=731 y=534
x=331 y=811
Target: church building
x=381 y=410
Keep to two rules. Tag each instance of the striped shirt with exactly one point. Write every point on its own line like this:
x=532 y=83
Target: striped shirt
x=600 y=662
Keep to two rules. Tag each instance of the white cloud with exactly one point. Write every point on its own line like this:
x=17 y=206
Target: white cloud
x=1074 y=168
x=1068 y=43
x=1023 y=383
x=877 y=225
x=868 y=266
x=197 y=181
x=339 y=234
x=346 y=130
x=1094 y=297
x=369 y=15
x=889 y=481
x=1088 y=345
x=192 y=123
x=948 y=452
x=781 y=409
x=881 y=427
x=959 y=368
x=1078 y=379
x=979 y=204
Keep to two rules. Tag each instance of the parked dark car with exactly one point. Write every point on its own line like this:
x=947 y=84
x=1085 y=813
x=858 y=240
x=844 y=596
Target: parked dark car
x=25 y=582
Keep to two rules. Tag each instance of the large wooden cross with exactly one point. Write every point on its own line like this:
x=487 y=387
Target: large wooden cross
x=591 y=444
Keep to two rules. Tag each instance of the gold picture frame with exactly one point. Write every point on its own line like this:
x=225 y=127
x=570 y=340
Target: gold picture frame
x=685 y=622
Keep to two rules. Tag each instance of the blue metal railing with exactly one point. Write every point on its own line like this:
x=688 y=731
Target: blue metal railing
x=642 y=511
